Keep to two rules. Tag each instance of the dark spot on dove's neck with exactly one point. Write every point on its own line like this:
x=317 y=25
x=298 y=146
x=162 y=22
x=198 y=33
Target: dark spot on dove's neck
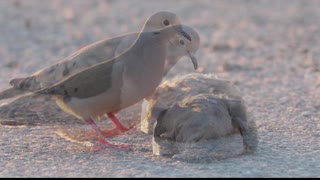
x=171 y=31
x=156 y=33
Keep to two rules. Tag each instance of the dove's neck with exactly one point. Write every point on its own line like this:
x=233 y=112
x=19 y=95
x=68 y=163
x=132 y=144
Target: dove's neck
x=168 y=32
x=147 y=57
x=171 y=60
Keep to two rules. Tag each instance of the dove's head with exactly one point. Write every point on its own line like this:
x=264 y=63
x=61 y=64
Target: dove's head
x=180 y=46
x=160 y=20
x=185 y=43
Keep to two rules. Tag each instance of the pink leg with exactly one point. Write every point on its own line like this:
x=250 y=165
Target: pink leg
x=117 y=122
x=102 y=140
x=117 y=130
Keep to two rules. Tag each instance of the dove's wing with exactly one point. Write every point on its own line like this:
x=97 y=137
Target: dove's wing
x=87 y=83
x=86 y=57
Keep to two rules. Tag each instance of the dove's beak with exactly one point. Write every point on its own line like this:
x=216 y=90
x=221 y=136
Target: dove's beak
x=191 y=55
x=193 y=59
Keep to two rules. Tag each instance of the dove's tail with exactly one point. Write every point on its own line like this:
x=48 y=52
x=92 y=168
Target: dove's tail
x=11 y=92
x=29 y=83
x=20 y=86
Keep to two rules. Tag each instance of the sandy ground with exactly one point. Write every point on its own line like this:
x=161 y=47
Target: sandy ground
x=270 y=48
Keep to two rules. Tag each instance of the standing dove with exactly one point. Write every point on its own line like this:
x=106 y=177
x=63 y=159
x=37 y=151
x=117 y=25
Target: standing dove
x=104 y=50
x=115 y=83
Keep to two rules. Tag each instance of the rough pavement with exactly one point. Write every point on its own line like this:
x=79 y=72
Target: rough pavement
x=270 y=48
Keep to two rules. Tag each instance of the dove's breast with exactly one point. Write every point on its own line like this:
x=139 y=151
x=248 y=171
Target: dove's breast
x=94 y=106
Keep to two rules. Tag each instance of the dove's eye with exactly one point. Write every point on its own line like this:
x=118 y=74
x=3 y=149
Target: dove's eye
x=166 y=22
x=182 y=42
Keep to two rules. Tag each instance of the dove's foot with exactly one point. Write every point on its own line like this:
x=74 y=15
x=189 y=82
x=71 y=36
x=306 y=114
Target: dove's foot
x=103 y=144
x=114 y=132
x=107 y=133
x=119 y=129
x=116 y=121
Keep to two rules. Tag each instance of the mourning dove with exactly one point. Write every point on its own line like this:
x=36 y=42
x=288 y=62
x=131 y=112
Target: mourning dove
x=114 y=84
x=104 y=50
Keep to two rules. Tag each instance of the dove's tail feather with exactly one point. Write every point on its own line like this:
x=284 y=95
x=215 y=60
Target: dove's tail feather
x=28 y=83
x=11 y=92
x=20 y=86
